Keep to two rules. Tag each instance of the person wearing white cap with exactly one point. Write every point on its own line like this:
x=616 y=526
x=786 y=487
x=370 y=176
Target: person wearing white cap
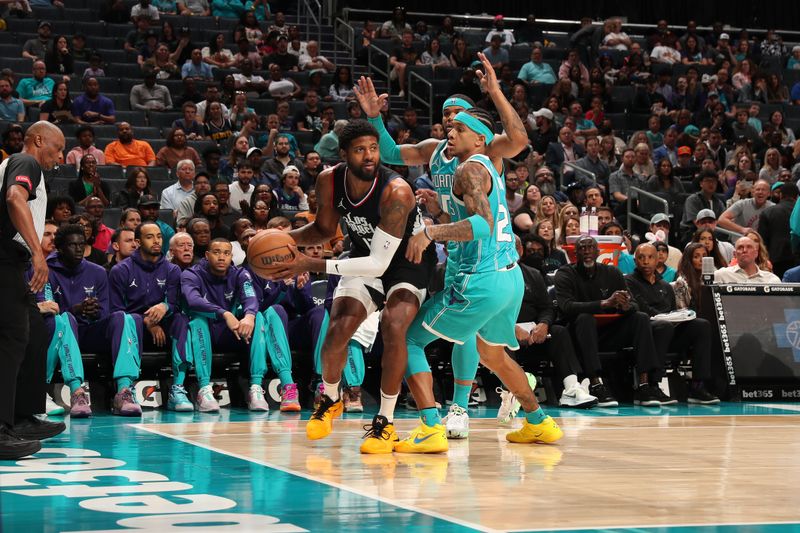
x=794 y=61
x=291 y=198
x=545 y=132
x=661 y=222
x=536 y=71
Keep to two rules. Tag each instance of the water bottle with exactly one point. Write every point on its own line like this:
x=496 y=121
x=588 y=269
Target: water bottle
x=584 y=221
x=593 y=222
x=708 y=271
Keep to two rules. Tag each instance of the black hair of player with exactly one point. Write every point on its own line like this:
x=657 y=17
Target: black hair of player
x=137 y=233
x=354 y=130
x=65 y=231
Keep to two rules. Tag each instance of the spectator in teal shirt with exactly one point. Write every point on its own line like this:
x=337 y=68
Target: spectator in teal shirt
x=36 y=90
x=536 y=71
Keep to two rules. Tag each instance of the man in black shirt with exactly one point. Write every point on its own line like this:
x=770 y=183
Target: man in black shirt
x=539 y=338
x=602 y=315
x=309 y=119
x=545 y=132
x=281 y=57
x=654 y=296
x=773 y=226
x=23 y=201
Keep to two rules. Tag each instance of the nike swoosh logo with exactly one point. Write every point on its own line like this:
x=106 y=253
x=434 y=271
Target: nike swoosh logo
x=418 y=440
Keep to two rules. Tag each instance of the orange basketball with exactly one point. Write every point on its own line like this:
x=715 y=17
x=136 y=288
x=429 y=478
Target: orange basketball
x=268 y=248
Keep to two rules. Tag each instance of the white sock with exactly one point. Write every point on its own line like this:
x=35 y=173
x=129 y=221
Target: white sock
x=570 y=381
x=388 y=402
x=331 y=390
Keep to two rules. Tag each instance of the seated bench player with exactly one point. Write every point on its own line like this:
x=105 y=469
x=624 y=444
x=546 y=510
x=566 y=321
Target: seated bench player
x=223 y=312
x=80 y=289
x=146 y=286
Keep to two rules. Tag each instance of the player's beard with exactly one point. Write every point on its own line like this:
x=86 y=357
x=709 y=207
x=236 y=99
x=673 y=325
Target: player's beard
x=363 y=175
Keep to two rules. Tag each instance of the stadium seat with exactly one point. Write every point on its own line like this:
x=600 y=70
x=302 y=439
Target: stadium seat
x=110 y=172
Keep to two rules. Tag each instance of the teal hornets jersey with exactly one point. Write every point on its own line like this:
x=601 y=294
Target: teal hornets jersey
x=498 y=250
x=442 y=172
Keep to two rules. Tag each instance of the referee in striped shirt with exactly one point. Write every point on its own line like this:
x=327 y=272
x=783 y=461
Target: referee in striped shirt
x=23 y=201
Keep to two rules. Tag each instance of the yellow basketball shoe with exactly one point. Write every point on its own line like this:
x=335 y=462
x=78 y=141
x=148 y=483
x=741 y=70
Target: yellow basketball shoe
x=424 y=439
x=547 y=432
x=320 y=424
x=380 y=436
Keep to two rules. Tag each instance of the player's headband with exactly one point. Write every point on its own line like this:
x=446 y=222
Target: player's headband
x=460 y=102
x=475 y=125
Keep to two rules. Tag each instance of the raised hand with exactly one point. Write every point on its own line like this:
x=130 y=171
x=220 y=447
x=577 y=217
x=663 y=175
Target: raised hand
x=368 y=98
x=486 y=75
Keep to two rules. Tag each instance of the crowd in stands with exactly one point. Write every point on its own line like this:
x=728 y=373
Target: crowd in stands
x=240 y=125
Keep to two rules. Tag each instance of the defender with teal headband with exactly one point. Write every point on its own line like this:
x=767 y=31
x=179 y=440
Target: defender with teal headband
x=475 y=125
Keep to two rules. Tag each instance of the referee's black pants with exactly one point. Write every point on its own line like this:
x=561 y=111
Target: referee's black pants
x=23 y=348
x=630 y=330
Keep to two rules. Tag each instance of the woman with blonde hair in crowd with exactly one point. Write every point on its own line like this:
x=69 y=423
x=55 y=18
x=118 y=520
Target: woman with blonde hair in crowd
x=772 y=166
x=547 y=209
x=644 y=163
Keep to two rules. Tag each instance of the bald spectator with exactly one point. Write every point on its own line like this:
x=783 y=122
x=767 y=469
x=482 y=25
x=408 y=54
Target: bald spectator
x=127 y=151
x=92 y=107
x=38 y=89
x=311 y=60
x=746 y=270
x=744 y=213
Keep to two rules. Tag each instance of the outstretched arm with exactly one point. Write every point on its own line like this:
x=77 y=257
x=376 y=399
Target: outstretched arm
x=472 y=183
x=514 y=138
x=391 y=152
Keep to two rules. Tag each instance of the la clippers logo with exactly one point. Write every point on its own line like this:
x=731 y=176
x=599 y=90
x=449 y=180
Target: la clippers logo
x=26 y=180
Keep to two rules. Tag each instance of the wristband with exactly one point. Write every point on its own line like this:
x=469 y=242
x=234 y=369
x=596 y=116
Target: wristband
x=425 y=231
x=480 y=228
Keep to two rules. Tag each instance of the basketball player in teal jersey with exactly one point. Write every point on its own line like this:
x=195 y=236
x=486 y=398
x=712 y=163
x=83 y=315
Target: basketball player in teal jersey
x=486 y=293
x=465 y=356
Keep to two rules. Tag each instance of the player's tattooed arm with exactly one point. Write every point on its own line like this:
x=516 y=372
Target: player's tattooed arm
x=515 y=137
x=471 y=181
x=396 y=203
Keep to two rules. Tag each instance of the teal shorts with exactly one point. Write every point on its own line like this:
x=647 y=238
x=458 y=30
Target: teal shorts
x=485 y=304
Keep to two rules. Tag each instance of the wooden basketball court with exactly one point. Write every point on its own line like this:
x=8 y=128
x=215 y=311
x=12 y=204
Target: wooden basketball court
x=649 y=469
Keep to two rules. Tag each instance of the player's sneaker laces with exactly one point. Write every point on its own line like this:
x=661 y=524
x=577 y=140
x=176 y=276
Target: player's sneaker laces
x=547 y=432
x=51 y=408
x=256 y=400
x=125 y=404
x=380 y=436
x=509 y=405
x=178 y=400
x=351 y=397
x=320 y=424
x=290 y=401
x=424 y=439
x=457 y=422
x=79 y=404
x=206 y=403
x=576 y=396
